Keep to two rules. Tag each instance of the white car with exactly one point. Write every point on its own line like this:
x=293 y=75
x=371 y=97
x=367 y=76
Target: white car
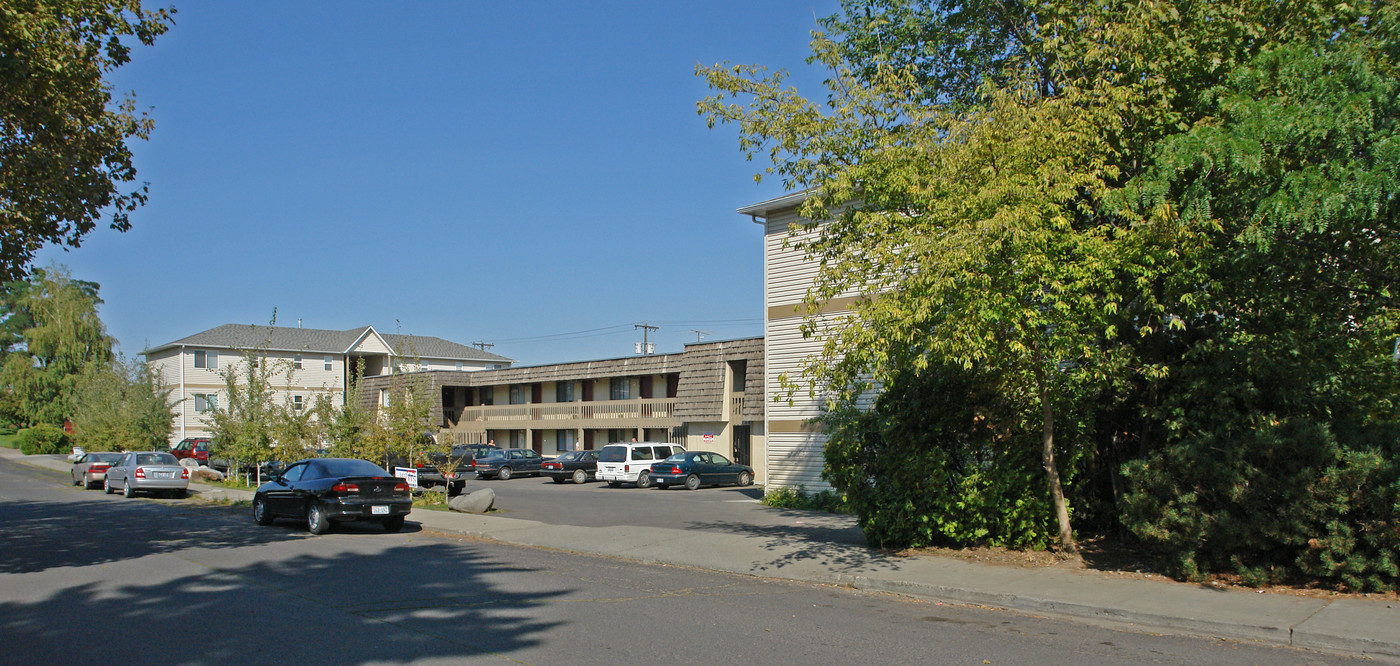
x=631 y=463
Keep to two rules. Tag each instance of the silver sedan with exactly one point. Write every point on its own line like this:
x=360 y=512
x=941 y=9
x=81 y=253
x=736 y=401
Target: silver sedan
x=91 y=468
x=142 y=471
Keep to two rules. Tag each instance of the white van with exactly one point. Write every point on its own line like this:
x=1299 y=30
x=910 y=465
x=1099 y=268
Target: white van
x=631 y=463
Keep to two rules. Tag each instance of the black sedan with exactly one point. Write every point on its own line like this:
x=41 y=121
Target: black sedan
x=322 y=491
x=699 y=468
x=580 y=466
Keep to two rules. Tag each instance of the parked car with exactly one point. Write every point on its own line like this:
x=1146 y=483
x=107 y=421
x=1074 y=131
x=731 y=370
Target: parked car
x=505 y=463
x=580 y=466
x=91 y=468
x=696 y=468
x=631 y=463
x=324 y=491
x=192 y=447
x=147 y=471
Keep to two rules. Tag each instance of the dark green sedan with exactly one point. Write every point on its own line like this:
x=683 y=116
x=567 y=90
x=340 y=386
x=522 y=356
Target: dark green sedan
x=693 y=469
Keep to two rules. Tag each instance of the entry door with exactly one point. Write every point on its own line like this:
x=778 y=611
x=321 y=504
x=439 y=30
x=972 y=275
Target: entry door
x=537 y=441
x=741 y=445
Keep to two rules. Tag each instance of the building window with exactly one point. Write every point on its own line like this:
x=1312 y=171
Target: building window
x=564 y=392
x=205 y=402
x=328 y=363
x=517 y=440
x=459 y=366
x=384 y=397
x=517 y=394
x=564 y=440
x=487 y=395
x=296 y=403
x=621 y=388
x=206 y=360
x=296 y=361
x=616 y=435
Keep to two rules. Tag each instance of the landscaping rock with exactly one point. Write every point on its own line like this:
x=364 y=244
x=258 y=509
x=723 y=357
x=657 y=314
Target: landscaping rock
x=189 y=462
x=207 y=473
x=480 y=501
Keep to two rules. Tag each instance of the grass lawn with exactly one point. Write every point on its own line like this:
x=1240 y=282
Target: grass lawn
x=9 y=441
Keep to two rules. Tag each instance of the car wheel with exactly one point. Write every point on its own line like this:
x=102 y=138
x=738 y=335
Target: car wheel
x=127 y=489
x=643 y=480
x=692 y=482
x=261 y=515
x=614 y=484
x=745 y=478
x=107 y=486
x=316 y=522
x=393 y=524
x=504 y=474
x=580 y=476
x=75 y=479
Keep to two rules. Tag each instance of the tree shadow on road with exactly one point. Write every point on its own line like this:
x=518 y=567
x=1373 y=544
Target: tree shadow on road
x=352 y=601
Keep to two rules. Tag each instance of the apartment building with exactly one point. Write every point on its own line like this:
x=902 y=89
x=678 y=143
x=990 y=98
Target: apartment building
x=795 y=448
x=308 y=363
x=708 y=398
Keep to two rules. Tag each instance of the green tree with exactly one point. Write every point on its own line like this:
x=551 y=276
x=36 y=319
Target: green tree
x=1121 y=194
x=121 y=405
x=65 y=337
x=344 y=429
x=63 y=137
x=246 y=423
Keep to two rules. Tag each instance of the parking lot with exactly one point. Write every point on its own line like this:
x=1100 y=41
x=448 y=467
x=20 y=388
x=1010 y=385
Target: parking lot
x=594 y=504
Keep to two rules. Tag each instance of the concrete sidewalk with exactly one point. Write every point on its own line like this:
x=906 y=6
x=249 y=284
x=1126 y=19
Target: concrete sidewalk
x=1356 y=626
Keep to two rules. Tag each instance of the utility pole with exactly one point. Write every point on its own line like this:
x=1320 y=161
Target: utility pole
x=645 y=346
x=483 y=346
x=700 y=335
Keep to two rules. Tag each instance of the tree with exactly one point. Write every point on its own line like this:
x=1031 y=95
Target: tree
x=121 y=405
x=1092 y=208
x=245 y=426
x=63 y=138
x=66 y=335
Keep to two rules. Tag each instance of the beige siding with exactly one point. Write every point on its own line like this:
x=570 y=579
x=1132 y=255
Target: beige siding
x=373 y=344
x=795 y=459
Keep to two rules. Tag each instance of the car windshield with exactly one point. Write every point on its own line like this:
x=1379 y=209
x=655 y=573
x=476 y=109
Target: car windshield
x=334 y=468
x=570 y=456
x=156 y=459
x=613 y=454
x=103 y=457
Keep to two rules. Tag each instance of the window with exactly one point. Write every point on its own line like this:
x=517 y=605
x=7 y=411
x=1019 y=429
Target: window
x=296 y=361
x=296 y=403
x=328 y=363
x=517 y=439
x=517 y=394
x=206 y=359
x=205 y=402
x=384 y=397
x=487 y=395
x=564 y=440
x=621 y=388
x=564 y=392
x=459 y=366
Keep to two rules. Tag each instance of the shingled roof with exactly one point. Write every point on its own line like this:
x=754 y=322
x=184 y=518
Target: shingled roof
x=316 y=340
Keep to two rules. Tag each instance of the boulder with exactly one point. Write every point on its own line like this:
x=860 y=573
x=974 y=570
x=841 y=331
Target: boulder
x=480 y=501
x=207 y=473
x=189 y=462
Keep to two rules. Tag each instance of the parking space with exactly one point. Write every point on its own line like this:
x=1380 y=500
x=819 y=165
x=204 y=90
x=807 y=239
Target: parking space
x=594 y=504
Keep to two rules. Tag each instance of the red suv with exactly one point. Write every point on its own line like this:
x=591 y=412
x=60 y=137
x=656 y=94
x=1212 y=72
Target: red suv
x=192 y=447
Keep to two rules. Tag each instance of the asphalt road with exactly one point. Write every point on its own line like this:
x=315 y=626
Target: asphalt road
x=88 y=577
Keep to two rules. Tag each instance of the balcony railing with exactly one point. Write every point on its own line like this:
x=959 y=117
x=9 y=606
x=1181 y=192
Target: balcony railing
x=736 y=407
x=606 y=410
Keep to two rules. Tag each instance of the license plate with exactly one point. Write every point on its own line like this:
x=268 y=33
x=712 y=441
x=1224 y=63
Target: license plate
x=165 y=475
x=379 y=510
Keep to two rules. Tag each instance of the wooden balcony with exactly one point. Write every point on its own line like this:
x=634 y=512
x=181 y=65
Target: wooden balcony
x=654 y=413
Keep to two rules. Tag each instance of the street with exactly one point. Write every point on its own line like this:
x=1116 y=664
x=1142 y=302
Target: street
x=86 y=577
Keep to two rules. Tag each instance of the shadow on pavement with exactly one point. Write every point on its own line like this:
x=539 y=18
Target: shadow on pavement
x=835 y=547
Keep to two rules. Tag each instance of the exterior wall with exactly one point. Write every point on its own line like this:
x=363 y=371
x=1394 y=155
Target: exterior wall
x=793 y=448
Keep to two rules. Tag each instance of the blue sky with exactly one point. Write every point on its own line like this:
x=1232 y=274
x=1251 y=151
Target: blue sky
x=533 y=175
